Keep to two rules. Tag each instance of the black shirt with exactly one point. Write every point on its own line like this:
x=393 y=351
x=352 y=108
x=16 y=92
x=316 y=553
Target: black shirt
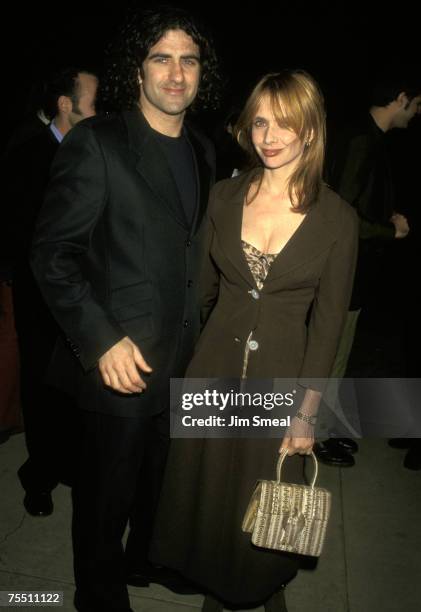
x=359 y=171
x=179 y=155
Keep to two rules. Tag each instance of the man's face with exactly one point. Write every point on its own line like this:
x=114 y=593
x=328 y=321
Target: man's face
x=171 y=75
x=87 y=85
x=407 y=111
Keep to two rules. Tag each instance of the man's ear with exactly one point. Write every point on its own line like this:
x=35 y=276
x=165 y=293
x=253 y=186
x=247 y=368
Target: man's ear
x=64 y=105
x=402 y=99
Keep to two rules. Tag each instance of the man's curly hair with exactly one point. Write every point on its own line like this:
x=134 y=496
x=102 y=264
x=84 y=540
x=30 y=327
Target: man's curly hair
x=119 y=86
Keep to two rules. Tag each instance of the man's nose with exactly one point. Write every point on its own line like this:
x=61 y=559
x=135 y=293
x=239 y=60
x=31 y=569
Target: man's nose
x=176 y=72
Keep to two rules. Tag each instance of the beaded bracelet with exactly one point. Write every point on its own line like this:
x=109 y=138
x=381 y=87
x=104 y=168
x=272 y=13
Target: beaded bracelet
x=304 y=417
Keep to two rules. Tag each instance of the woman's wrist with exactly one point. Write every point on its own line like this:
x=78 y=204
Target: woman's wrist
x=310 y=419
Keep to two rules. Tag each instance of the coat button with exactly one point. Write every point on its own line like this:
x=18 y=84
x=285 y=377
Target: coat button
x=253 y=345
x=186 y=323
x=254 y=294
x=188 y=243
x=189 y=283
x=237 y=339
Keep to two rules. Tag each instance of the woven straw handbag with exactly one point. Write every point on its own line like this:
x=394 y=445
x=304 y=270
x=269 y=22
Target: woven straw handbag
x=288 y=517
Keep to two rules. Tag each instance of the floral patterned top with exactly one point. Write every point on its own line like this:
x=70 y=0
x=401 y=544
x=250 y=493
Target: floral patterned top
x=259 y=264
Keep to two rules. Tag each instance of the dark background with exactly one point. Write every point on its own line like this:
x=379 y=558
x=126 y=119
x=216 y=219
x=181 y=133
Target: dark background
x=341 y=43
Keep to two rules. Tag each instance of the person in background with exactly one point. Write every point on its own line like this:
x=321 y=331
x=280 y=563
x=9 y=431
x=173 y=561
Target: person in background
x=359 y=170
x=69 y=98
x=230 y=158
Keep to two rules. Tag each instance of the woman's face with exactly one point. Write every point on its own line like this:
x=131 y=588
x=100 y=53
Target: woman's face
x=276 y=146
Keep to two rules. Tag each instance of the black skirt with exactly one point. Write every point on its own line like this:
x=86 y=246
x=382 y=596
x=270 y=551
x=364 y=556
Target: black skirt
x=207 y=487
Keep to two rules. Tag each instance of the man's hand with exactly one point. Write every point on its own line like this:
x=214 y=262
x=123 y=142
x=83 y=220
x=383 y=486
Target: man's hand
x=119 y=367
x=401 y=225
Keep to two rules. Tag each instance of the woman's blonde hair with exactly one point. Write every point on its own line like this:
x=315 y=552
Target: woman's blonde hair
x=298 y=104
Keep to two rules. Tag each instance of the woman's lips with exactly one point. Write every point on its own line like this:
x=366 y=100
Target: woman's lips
x=271 y=152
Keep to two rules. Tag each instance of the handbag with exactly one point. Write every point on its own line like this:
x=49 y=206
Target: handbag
x=288 y=517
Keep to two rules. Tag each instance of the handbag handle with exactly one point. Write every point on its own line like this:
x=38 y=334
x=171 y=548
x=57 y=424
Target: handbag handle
x=281 y=460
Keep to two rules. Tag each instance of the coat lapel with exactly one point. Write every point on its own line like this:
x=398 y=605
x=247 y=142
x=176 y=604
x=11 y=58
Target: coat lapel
x=228 y=221
x=152 y=164
x=205 y=177
x=312 y=237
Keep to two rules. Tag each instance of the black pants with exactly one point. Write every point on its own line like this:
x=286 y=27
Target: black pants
x=48 y=415
x=122 y=461
x=50 y=433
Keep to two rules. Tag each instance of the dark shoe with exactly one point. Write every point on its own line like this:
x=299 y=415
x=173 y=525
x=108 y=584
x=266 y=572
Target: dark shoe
x=210 y=604
x=348 y=445
x=276 y=603
x=400 y=442
x=332 y=454
x=142 y=576
x=38 y=503
x=35 y=479
x=412 y=459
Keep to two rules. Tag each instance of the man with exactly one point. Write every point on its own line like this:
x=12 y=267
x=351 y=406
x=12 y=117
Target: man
x=359 y=169
x=69 y=98
x=117 y=254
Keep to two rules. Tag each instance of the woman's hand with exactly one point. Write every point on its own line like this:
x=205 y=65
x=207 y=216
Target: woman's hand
x=299 y=438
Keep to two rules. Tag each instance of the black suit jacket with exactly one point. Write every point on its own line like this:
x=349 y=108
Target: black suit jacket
x=114 y=256
x=358 y=169
x=25 y=172
x=26 y=169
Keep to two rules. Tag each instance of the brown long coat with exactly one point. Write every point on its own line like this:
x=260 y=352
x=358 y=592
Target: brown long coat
x=209 y=482
x=315 y=268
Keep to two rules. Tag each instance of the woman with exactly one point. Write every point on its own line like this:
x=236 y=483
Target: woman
x=276 y=287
